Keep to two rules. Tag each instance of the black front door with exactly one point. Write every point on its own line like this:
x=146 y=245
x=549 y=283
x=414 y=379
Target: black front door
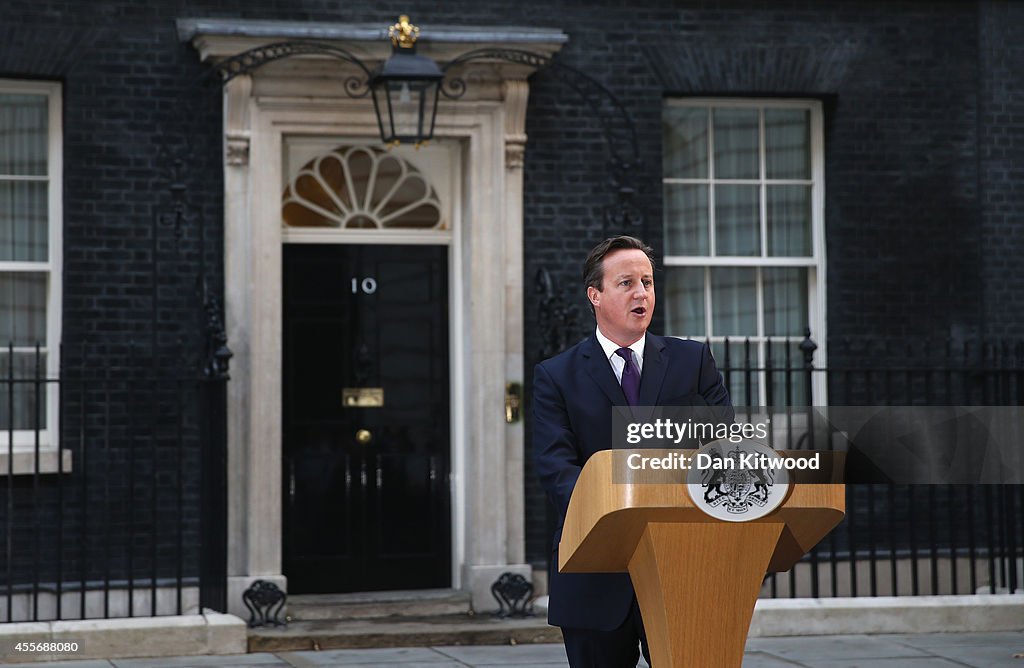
x=366 y=418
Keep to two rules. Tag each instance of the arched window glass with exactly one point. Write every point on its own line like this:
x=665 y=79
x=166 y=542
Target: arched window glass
x=361 y=187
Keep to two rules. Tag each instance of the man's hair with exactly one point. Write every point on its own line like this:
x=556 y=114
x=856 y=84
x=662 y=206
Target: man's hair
x=593 y=266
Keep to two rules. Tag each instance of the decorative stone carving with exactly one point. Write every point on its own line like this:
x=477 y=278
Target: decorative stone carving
x=516 y=93
x=236 y=121
x=236 y=148
x=515 y=149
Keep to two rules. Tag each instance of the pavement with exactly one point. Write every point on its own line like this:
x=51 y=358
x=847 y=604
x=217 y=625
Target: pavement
x=979 y=650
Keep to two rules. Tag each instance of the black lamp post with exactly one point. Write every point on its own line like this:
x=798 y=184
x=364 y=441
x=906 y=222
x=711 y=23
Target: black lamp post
x=405 y=89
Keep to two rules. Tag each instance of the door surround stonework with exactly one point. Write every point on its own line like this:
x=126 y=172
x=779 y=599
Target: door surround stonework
x=305 y=96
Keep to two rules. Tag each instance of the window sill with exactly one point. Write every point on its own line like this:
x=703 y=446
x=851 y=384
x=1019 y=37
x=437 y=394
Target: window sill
x=25 y=461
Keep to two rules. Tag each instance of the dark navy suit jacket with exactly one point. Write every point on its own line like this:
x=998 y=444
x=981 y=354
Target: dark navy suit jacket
x=573 y=395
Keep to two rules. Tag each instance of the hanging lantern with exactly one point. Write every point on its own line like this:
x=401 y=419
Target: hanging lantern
x=405 y=89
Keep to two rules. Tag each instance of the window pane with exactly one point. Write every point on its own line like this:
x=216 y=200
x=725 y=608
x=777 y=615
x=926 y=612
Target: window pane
x=733 y=358
x=737 y=220
x=787 y=138
x=733 y=301
x=785 y=301
x=23 y=134
x=21 y=393
x=684 y=133
x=24 y=221
x=789 y=220
x=735 y=138
x=686 y=219
x=788 y=378
x=684 y=295
x=22 y=308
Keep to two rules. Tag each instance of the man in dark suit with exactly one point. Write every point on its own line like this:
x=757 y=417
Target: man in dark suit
x=574 y=392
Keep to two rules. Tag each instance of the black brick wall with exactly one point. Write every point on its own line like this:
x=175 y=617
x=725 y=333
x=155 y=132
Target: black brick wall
x=924 y=126
x=1001 y=165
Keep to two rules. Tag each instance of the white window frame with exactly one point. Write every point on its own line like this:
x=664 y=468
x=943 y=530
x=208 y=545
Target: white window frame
x=815 y=263
x=24 y=449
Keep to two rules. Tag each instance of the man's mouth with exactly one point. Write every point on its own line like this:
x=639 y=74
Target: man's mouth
x=640 y=310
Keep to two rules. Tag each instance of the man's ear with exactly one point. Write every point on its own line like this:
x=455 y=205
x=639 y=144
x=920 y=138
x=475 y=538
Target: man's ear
x=594 y=295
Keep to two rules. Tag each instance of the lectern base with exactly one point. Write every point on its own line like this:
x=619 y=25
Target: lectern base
x=697 y=584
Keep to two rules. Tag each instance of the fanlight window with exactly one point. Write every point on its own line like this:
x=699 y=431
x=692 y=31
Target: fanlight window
x=361 y=187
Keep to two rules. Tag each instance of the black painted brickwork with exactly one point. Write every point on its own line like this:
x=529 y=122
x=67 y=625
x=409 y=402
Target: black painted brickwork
x=1001 y=168
x=924 y=125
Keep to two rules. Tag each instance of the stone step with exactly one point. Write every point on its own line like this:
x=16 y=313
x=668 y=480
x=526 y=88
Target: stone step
x=403 y=632
x=378 y=604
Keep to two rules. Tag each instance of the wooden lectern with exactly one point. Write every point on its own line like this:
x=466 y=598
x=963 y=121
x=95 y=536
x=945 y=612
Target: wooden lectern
x=696 y=578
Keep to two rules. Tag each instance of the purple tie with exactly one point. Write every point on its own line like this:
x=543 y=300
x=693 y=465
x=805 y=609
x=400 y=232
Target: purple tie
x=630 y=377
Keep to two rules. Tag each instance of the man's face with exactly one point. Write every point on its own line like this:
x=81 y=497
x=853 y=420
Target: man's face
x=625 y=303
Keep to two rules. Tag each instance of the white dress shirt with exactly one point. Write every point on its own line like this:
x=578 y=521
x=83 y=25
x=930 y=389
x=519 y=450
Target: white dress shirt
x=618 y=364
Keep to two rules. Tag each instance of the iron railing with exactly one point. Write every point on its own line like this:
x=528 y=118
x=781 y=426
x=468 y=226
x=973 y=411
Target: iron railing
x=130 y=518
x=113 y=507
x=896 y=539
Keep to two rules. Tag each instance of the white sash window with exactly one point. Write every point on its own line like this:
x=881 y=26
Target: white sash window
x=30 y=270
x=744 y=236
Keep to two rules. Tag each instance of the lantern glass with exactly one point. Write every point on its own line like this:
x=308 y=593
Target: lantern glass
x=405 y=93
x=408 y=110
